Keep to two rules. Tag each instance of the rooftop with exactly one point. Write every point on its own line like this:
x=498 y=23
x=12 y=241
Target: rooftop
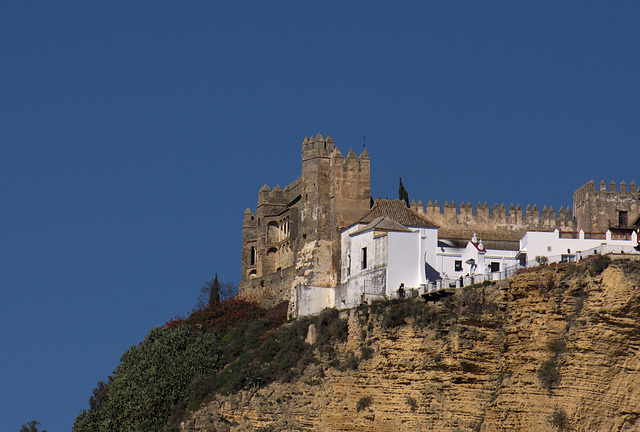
x=382 y=223
x=397 y=211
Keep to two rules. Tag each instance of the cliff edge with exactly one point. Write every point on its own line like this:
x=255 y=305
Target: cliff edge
x=551 y=349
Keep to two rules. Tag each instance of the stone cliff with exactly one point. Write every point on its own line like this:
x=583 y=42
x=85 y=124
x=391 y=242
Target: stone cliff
x=556 y=348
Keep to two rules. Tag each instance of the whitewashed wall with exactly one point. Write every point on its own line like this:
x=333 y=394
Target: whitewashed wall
x=394 y=257
x=448 y=255
x=428 y=251
x=313 y=299
x=404 y=261
x=370 y=281
x=549 y=244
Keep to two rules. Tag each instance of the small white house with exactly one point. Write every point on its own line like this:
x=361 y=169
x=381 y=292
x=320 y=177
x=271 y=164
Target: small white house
x=387 y=249
x=464 y=258
x=556 y=246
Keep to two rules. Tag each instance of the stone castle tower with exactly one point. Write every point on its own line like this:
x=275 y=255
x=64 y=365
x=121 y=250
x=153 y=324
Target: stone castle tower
x=293 y=238
x=595 y=210
x=599 y=209
x=291 y=243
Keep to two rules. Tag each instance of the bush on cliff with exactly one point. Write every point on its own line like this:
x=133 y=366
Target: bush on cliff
x=219 y=349
x=151 y=378
x=157 y=376
x=599 y=264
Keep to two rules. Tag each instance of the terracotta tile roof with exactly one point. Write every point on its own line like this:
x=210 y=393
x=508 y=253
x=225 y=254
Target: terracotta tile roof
x=398 y=211
x=383 y=223
x=466 y=234
x=499 y=239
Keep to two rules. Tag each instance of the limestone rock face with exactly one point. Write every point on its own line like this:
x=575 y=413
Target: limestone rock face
x=552 y=349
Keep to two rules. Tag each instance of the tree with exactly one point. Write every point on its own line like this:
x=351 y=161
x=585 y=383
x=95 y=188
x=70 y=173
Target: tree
x=32 y=426
x=151 y=379
x=225 y=290
x=100 y=396
x=214 y=292
x=402 y=193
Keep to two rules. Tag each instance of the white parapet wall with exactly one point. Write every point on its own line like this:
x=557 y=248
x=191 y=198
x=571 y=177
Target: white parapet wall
x=551 y=245
x=313 y=299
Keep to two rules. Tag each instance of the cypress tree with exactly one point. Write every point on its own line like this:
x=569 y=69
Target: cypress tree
x=214 y=294
x=402 y=193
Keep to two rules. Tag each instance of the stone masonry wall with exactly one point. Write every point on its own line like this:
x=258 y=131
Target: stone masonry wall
x=597 y=210
x=498 y=218
x=290 y=225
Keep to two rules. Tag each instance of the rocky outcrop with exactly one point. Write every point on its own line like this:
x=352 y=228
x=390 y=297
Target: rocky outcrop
x=551 y=349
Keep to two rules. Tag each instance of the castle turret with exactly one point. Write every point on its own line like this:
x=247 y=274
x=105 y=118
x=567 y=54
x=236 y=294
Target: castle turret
x=602 y=209
x=332 y=191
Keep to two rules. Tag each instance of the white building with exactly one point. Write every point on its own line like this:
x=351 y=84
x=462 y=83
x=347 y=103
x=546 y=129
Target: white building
x=394 y=247
x=387 y=248
x=465 y=257
x=556 y=246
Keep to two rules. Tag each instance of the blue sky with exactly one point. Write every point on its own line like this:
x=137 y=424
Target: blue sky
x=134 y=135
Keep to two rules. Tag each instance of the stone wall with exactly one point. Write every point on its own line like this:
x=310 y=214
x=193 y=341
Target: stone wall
x=299 y=226
x=597 y=209
x=484 y=218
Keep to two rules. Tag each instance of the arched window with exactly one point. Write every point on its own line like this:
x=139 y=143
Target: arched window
x=272 y=232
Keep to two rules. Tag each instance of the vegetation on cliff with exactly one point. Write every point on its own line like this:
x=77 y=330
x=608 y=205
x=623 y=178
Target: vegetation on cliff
x=524 y=354
x=219 y=349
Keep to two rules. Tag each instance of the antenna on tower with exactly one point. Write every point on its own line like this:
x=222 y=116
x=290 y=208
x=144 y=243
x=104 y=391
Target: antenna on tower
x=364 y=142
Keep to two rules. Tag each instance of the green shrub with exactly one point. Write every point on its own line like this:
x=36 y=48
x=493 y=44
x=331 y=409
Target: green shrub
x=557 y=346
x=473 y=303
x=599 y=264
x=396 y=313
x=412 y=403
x=351 y=362
x=364 y=403
x=366 y=352
x=201 y=388
x=424 y=315
x=559 y=419
x=151 y=378
x=542 y=260
x=330 y=327
x=548 y=373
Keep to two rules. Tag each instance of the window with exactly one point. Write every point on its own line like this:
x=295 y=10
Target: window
x=523 y=260
x=567 y=258
x=273 y=232
x=349 y=265
x=622 y=219
x=495 y=267
x=458 y=265
x=364 y=258
x=253 y=256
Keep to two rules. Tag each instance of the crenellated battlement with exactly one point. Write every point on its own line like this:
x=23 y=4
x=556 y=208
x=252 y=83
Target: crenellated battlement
x=317 y=146
x=581 y=194
x=299 y=226
x=497 y=217
x=293 y=239
x=599 y=208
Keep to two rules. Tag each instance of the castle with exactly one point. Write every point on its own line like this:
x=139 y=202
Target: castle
x=294 y=247
x=293 y=238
